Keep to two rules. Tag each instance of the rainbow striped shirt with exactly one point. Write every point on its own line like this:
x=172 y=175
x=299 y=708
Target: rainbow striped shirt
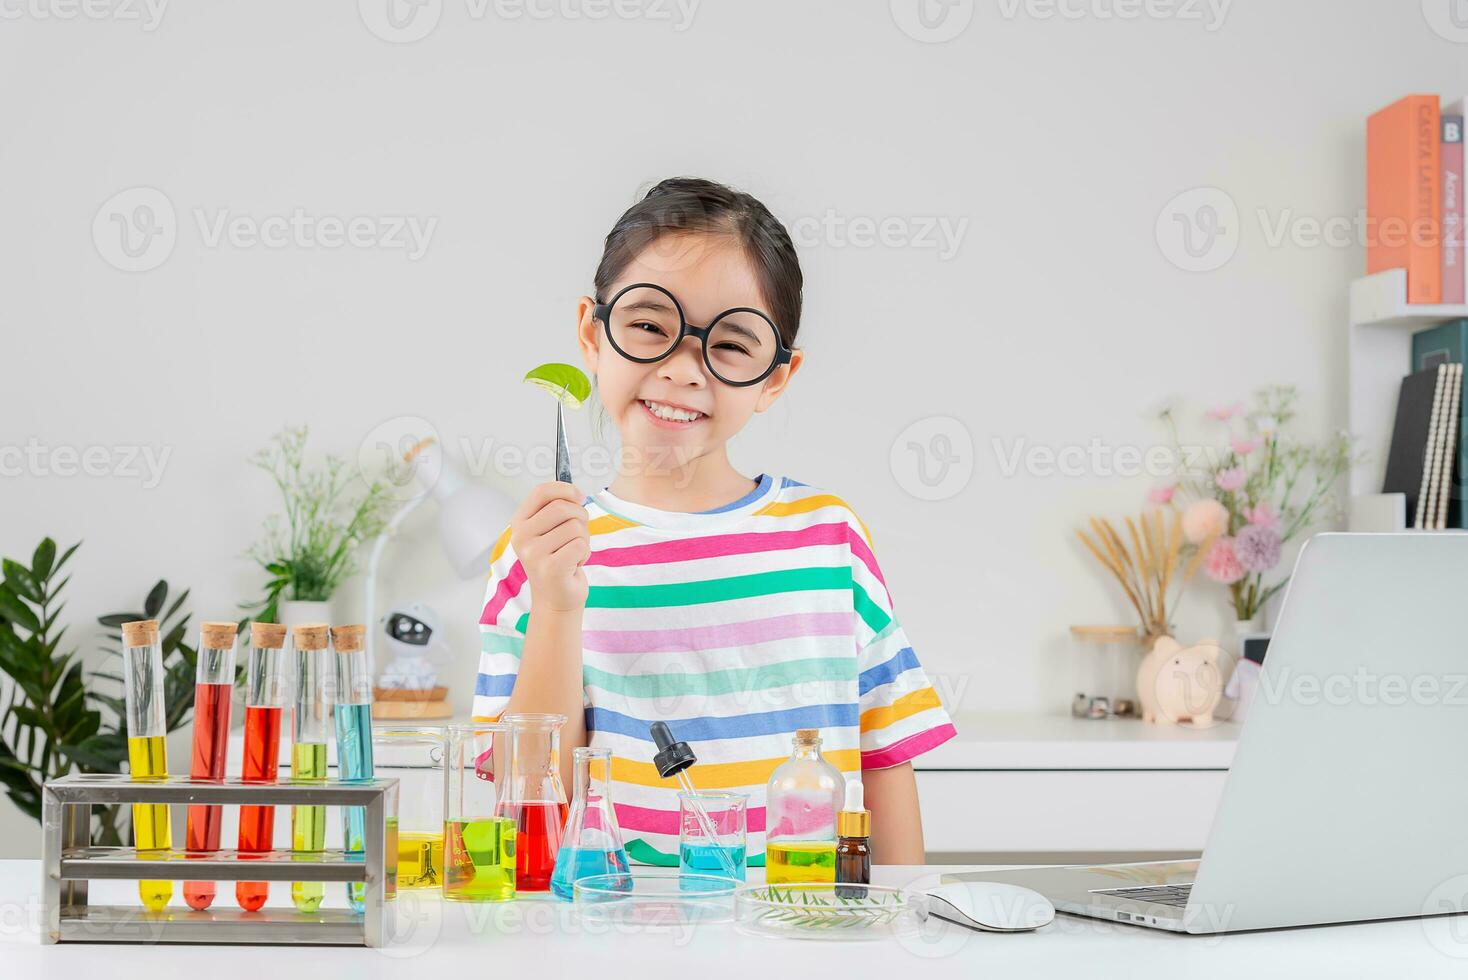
x=736 y=627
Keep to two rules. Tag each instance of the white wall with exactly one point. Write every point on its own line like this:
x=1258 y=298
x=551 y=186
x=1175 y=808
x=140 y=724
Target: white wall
x=1058 y=319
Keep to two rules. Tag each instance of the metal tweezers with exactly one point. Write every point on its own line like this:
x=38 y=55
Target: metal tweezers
x=563 y=455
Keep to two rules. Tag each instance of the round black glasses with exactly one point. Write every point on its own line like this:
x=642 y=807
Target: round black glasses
x=645 y=323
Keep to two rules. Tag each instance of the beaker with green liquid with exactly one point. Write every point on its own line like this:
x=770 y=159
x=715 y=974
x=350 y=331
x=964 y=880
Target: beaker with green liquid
x=478 y=840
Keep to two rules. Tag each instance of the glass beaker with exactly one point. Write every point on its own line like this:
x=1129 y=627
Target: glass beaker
x=535 y=797
x=414 y=756
x=478 y=840
x=698 y=853
x=592 y=842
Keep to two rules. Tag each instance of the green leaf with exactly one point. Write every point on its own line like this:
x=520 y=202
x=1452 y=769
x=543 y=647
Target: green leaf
x=176 y=603
x=155 y=600
x=21 y=581
x=115 y=620
x=64 y=556
x=18 y=612
x=565 y=382
x=42 y=560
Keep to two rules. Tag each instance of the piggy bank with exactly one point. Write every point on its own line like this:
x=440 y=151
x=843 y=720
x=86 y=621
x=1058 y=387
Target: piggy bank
x=1177 y=683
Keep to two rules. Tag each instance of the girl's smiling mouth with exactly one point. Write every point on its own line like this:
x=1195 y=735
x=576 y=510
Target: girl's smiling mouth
x=670 y=416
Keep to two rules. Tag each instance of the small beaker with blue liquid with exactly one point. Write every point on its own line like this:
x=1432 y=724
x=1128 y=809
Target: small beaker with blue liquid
x=592 y=843
x=699 y=853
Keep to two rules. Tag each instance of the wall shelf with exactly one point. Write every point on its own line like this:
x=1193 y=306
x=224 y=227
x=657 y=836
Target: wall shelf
x=1382 y=323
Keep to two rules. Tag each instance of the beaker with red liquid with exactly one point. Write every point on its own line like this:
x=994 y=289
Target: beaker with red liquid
x=213 y=689
x=535 y=798
x=265 y=697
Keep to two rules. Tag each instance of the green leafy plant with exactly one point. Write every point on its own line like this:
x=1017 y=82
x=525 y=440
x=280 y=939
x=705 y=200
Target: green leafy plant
x=309 y=550
x=45 y=700
x=51 y=725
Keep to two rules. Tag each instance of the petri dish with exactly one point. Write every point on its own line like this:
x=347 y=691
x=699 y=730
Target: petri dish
x=655 y=899
x=815 y=910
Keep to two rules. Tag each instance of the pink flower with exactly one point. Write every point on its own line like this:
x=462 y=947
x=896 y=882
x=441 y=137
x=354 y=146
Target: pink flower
x=1262 y=516
x=1244 y=446
x=1161 y=496
x=1225 y=412
x=1222 y=564
x=1257 y=548
x=1204 y=519
x=1232 y=479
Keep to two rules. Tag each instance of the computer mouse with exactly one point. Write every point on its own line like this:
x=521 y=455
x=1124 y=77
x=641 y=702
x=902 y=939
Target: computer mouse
x=991 y=906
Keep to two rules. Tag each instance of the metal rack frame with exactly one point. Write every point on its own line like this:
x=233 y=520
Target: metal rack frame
x=68 y=862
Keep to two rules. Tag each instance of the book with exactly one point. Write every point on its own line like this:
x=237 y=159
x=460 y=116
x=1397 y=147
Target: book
x=1408 y=451
x=1451 y=167
x=1447 y=343
x=1453 y=411
x=1404 y=196
x=1426 y=514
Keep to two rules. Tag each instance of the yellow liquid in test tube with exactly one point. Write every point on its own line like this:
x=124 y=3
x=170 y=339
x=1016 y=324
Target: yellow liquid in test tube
x=148 y=761
x=308 y=823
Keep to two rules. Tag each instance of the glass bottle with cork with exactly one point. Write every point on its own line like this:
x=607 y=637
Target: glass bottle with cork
x=802 y=799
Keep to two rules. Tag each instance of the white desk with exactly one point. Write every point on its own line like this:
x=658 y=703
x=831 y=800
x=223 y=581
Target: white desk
x=539 y=939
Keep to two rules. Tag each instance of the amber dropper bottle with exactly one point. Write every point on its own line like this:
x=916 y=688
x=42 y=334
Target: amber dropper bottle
x=853 y=844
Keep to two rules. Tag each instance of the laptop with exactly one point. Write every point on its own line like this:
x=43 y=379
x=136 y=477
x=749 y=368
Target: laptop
x=1347 y=799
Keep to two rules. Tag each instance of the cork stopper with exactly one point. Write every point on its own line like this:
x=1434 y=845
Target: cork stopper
x=348 y=639
x=312 y=636
x=216 y=636
x=267 y=636
x=141 y=633
x=807 y=736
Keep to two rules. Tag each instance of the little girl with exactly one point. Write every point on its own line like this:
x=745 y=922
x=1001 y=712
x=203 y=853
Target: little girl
x=736 y=609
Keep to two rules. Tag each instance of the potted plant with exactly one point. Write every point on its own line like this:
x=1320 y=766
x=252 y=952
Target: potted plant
x=310 y=549
x=49 y=726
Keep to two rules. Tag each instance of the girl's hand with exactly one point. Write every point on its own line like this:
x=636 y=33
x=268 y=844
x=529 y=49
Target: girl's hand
x=550 y=537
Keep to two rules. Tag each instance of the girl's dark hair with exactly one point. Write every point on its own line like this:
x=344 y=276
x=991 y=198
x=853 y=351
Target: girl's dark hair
x=692 y=204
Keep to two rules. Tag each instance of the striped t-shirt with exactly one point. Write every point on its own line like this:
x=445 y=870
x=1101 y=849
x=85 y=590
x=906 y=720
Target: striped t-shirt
x=736 y=627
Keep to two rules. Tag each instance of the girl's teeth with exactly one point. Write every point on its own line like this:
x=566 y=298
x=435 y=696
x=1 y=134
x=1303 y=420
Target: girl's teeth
x=671 y=414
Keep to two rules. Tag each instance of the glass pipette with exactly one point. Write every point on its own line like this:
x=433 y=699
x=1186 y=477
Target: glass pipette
x=672 y=760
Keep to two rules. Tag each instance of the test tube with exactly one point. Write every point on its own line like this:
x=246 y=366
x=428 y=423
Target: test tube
x=147 y=756
x=311 y=669
x=213 y=689
x=265 y=696
x=354 y=743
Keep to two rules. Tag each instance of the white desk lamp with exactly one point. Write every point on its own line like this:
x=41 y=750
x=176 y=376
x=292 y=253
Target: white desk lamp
x=471 y=517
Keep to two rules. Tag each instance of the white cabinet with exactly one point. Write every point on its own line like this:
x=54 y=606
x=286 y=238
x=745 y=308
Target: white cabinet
x=1038 y=785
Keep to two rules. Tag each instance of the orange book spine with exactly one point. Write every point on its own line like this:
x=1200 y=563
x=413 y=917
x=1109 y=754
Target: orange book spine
x=1403 y=194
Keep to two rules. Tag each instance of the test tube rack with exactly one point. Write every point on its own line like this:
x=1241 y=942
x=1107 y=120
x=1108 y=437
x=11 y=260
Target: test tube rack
x=69 y=862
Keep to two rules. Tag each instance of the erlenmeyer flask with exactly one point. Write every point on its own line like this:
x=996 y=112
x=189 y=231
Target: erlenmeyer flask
x=535 y=798
x=592 y=844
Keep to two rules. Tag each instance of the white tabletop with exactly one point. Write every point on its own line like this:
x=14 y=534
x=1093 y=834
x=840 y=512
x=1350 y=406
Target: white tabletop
x=540 y=939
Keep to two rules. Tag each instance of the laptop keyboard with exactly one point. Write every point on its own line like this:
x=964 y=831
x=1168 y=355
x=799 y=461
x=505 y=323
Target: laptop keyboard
x=1173 y=895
